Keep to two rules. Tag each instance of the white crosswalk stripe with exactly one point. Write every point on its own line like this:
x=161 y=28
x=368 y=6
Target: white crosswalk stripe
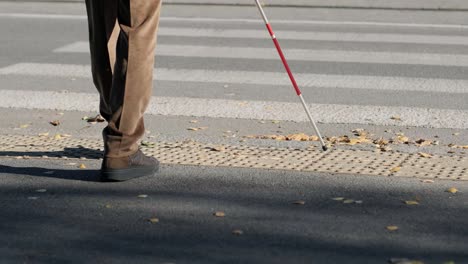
x=296 y=54
x=222 y=108
x=252 y=77
x=200 y=107
x=318 y=36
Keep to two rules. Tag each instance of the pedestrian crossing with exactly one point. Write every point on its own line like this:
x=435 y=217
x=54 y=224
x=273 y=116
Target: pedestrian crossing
x=377 y=86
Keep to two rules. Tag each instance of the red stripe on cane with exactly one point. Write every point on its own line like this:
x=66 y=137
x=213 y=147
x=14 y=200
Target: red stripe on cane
x=283 y=59
x=272 y=34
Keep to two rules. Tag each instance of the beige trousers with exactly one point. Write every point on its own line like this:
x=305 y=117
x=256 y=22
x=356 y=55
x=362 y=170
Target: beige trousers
x=122 y=37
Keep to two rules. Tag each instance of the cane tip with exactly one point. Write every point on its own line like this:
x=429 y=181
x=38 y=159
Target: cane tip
x=324 y=148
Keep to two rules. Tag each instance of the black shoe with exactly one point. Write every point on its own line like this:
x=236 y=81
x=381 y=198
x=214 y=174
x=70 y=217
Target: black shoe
x=127 y=168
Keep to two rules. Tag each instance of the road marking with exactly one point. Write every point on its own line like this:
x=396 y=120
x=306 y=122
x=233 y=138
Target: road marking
x=245 y=20
x=252 y=77
x=317 y=36
x=296 y=54
x=258 y=110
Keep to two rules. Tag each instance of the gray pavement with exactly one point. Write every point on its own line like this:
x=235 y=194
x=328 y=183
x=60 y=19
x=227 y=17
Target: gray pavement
x=79 y=220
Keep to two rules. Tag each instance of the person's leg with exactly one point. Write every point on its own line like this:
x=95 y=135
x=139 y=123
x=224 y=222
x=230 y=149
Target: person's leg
x=133 y=75
x=102 y=17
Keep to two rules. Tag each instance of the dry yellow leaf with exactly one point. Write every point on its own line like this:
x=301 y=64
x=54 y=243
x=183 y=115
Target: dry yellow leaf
x=82 y=166
x=427 y=181
x=452 y=190
x=237 y=232
x=314 y=138
x=348 y=201
x=153 y=220
x=193 y=128
x=338 y=198
x=423 y=142
x=402 y=139
x=24 y=126
x=218 y=148
x=297 y=137
x=424 y=155
x=44 y=134
x=411 y=202
x=299 y=202
x=58 y=137
x=55 y=122
x=396 y=118
x=392 y=228
x=219 y=214
x=396 y=169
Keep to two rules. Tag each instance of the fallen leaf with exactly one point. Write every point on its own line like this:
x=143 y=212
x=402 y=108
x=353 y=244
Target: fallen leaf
x=427 y=181
x=299 y=202
x=153 y=220
x=411 y=202
x=24 y=126
x=298 y=137
x=275 y=122
x=237 y=232
x=452 y=190
x=219 y=214
x=108 y=206
x=142 y=196
x=217 y=148
x=396 y=118
x=193 y=129
x=96 y=119
x=314 y=138
x=401 y=138
x=82 y=166
x=55 y=122
x=348 y=201
x=456 y=134
x=423 y=142
x=392 y=228
x=396 y=169
x=193 y=121
x=338 y=198
x=44 y=134
x=58 y=137
x=424 y=155
x=148 y=144
x=404 y=261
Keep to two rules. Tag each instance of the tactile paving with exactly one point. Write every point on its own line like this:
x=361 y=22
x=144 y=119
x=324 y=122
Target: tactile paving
x=339 y=161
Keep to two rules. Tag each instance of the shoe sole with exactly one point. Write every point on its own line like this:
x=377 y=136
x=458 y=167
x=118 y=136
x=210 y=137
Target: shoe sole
x=118 y=175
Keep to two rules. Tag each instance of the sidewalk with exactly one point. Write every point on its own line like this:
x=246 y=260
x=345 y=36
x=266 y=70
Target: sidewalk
x=455 y=5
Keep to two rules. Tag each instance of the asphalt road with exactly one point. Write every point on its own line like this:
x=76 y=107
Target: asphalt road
x=217 y=65
x=80 y=221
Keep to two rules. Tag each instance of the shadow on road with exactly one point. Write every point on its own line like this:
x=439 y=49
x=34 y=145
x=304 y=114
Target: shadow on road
x=85 y=222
